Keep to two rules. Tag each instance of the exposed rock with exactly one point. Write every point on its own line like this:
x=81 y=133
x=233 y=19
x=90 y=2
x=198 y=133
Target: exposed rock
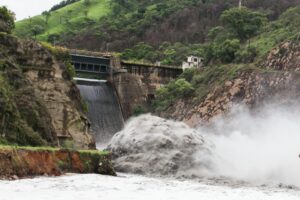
x=48 y=103
x=280 y=83
x=285 y=57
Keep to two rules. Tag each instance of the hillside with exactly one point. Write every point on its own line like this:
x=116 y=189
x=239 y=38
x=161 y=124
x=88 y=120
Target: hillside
x=68 y=20
x=116 y=25
x=263 y=68
x=234 y=44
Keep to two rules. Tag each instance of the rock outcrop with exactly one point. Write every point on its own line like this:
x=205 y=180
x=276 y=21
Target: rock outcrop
x=42 y=105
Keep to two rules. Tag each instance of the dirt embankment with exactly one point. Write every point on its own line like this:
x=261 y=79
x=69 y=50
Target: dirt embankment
x=25 y=162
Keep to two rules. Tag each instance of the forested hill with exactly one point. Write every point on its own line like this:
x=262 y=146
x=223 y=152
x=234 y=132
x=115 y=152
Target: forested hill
x=119 y=24
x=168 y=30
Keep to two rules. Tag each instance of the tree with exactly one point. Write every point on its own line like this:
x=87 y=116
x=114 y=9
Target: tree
x=243 y=22
x=7 y=20
x=53 y=38
x=36 y=30
x=47 y=15
x=226 y=50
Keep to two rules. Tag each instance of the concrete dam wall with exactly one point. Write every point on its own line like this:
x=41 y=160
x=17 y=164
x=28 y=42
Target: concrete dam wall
x=104 y=111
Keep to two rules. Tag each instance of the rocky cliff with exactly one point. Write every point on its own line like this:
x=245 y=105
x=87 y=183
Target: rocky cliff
x=39 y=103
x=274 y=80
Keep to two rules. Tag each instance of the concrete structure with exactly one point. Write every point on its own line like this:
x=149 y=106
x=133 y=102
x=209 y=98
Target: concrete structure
x=90 y=64
x=135 y=83
x=192 y=62
x=164 y=72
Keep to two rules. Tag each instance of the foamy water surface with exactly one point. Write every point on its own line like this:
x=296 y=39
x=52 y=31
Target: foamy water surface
x=131 y=187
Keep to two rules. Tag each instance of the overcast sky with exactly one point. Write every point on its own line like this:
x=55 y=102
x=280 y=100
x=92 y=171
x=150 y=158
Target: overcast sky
x=26 y=8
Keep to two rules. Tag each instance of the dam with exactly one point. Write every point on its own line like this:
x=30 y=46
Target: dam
x=113 y=89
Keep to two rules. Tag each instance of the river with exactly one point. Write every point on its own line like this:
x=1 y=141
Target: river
x=134 y=187
x=258 y=154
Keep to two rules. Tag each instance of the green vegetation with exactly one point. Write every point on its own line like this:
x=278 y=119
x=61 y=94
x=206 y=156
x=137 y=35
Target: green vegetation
x=243 y=22
x=195 y=84
x=245 y=38
x=285 y=28
x=7 y=20
x=24 y=119
x=105 y=23
x=63 y=21
x=174 y=90
x=68 y=144
x=20 y=131
x=62 y=55
x=62 y=4
x=139 y=110
x=84 y=105
x=53 y=149
x=226 y=46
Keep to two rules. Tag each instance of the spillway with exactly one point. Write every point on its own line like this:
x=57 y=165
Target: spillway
x=104 y=111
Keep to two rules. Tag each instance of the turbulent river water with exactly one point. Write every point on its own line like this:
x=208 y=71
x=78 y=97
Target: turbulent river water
x=134 y=187
x=241 y=157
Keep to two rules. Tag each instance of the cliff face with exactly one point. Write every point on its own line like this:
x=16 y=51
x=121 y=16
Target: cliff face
x=276 y=80
x=39 y=105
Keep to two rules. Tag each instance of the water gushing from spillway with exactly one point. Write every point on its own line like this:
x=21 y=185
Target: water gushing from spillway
x=259 y=147
x=104 y=111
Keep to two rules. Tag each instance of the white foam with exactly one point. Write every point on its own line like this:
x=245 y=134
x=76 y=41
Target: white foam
x=131 y=187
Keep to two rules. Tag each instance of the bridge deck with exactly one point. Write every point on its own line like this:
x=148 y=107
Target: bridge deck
x=151 y=65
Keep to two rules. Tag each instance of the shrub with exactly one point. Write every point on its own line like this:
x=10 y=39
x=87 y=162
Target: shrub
x=139 y=110
x=188 y=74
x=174 y=90
x=246 y=55
x=60 y=53
x=68 y=144
x=70 y=70
x=226 y=50
x=7 y=20
x=53 y=38
x=140 y=51
x=37 y=29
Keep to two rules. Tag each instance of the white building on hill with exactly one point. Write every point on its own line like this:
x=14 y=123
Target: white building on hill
x=192 y=61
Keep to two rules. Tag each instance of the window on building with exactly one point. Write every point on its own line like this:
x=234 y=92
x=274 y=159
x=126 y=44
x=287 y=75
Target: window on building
x=103 y=68
x=83 y=67
x=77 y=66
x=97 y=68
x=90 y=67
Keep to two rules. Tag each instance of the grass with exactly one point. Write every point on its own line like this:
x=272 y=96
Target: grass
x=285 y=28
x=65 y=20
x=52 y=149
